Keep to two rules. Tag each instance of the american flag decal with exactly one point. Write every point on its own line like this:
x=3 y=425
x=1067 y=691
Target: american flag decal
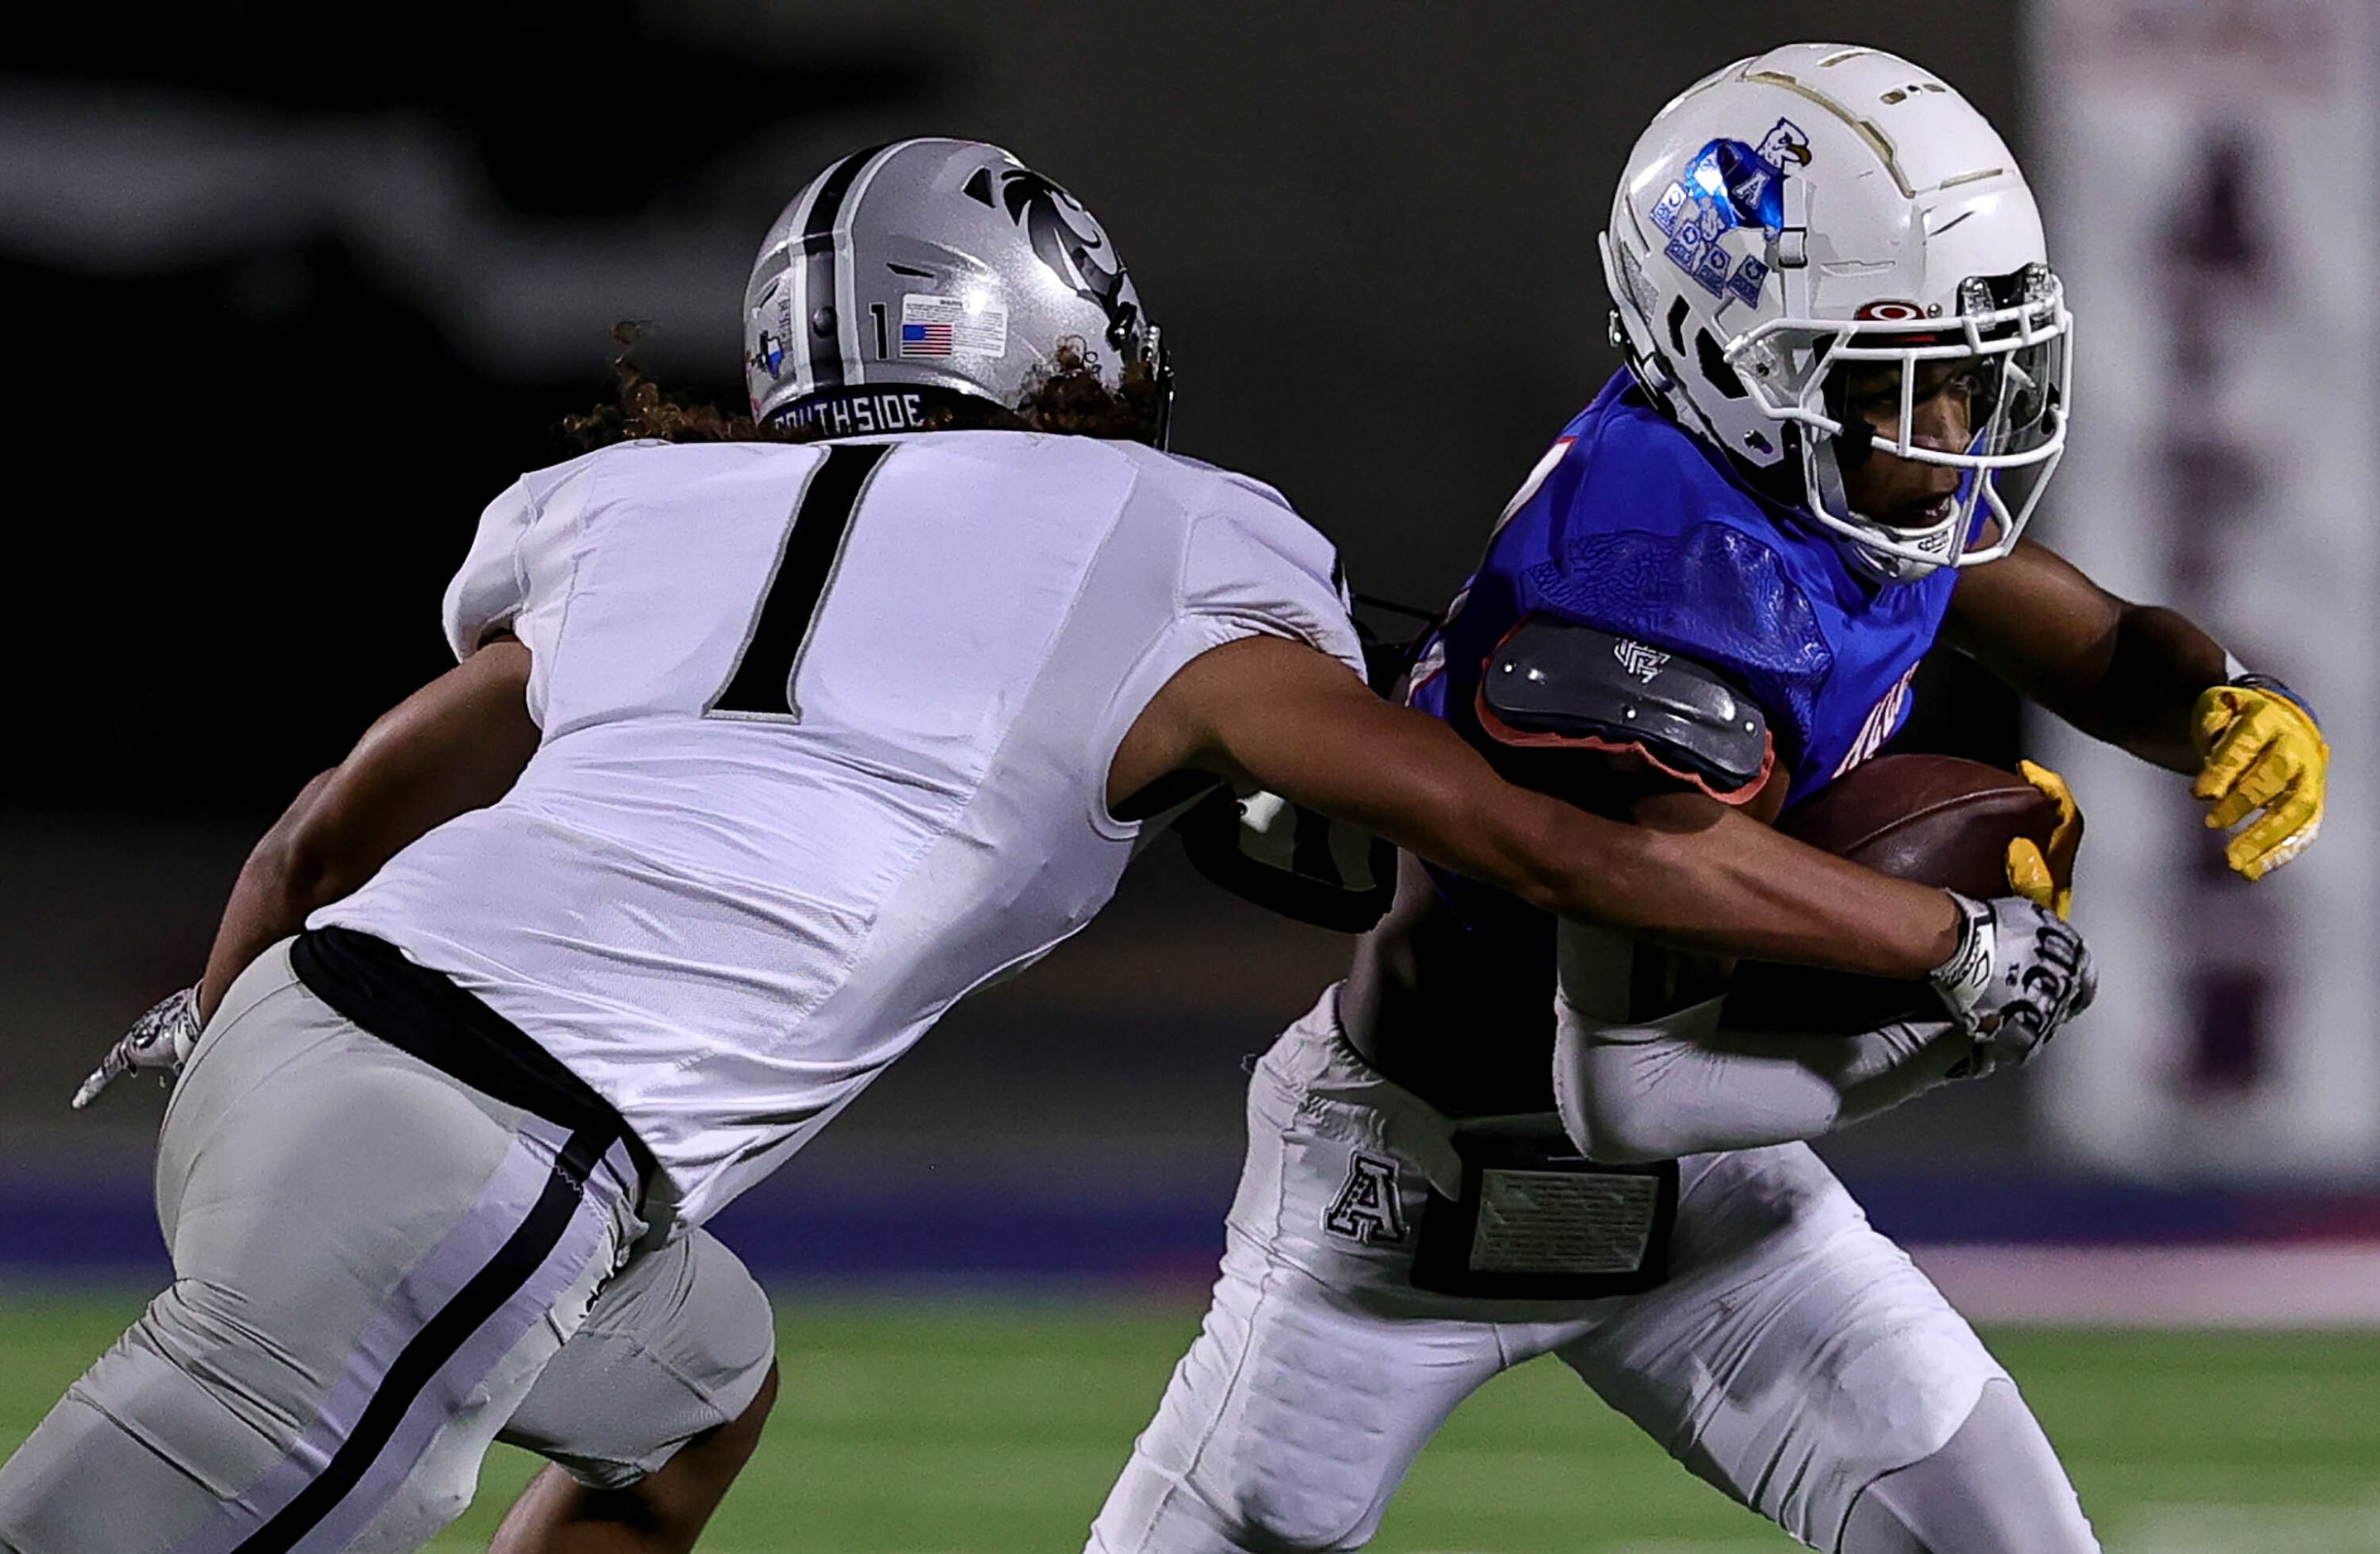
x=925 y=339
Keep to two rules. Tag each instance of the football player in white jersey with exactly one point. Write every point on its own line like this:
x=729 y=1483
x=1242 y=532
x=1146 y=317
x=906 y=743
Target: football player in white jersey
x=1502 y=1139
x=758 y=756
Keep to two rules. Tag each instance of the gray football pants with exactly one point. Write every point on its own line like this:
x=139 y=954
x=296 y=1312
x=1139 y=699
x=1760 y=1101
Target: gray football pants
x=372 y=1264
x=677 y=1344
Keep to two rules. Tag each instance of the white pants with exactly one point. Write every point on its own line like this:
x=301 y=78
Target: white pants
x=1792 y=1356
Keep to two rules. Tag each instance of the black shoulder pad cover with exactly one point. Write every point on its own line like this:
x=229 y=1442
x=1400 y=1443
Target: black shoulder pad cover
x=1292 y=860
x=1554 y=683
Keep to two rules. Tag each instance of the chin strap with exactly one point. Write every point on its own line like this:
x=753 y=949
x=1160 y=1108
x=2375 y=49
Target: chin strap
x=1823 y=469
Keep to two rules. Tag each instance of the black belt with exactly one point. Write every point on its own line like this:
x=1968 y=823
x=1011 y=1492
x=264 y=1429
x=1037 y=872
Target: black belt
x=421 y=1012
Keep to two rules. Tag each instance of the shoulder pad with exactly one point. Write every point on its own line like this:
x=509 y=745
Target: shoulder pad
x=1553 y=683
x=1729 y=598
x=1292 y=860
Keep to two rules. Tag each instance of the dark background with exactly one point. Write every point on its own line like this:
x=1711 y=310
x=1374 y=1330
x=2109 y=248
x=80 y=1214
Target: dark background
x=287 y=303
x=291 y=296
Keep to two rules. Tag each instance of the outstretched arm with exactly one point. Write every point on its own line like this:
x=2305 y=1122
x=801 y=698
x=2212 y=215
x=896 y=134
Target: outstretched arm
x=2151 y=681
x=2128 y=673
x=1293 y=721
x=457 y=743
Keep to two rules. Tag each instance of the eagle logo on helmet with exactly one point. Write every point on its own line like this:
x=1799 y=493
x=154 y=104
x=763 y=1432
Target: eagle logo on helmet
x=1067 y=239
x=1726 y=185
x=1784 y=143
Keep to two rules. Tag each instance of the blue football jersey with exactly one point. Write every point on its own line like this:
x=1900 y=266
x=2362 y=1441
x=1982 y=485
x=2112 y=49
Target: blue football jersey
x=1633 y=526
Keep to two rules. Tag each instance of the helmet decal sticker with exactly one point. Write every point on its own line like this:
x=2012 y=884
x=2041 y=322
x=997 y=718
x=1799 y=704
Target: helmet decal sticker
x=941 y=326
x=1784 y=143
x=773 y=313
x=1727 y=185
x=1067 y=239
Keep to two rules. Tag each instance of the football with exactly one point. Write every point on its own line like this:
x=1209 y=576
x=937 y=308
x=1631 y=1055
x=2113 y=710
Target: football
x=1936 y=819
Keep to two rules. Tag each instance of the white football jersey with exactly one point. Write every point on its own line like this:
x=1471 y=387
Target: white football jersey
x=826 y=736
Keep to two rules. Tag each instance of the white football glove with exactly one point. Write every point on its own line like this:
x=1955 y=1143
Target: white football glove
x=2018 y=972
x=159 y=1041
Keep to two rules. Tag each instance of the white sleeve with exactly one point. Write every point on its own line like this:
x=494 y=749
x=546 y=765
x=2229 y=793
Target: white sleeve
x=1239 y=564
x=1631 y=1090
x=492 y=586
x=1253 y=565
x=1656 y=1089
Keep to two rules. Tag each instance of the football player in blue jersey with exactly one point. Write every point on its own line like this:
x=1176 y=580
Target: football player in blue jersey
x=360 y=1382
x=1499 y=1139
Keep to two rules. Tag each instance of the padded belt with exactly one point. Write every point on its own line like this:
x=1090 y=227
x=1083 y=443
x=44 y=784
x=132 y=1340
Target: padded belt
x=1556 y=684
x=1537 y=1221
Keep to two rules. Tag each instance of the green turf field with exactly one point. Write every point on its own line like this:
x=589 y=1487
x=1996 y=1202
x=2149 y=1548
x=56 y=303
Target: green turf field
x=995 y=1427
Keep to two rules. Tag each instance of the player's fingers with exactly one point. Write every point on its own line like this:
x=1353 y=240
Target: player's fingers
x=2280 y=835
x=2065 y=846
x=2285 y=853
x=2228 y=812
x=111 y=1068
x=2238 y=747
x=2274 y=772
x=2215 y=712
x=2065 y=836
x=2051 y=784
x=2028 y=873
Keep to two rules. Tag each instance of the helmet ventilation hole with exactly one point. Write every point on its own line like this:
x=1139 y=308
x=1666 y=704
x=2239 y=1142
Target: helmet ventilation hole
x=1678 y=325
x=1715 y=366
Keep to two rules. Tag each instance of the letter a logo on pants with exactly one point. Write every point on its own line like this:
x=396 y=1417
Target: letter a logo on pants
x=1366 y=1209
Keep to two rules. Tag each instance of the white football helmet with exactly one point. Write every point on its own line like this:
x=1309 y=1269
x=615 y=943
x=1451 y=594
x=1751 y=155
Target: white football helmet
x=1823 y=205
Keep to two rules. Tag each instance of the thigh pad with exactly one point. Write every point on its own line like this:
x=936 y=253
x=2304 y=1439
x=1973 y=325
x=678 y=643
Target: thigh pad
x=677 y=1344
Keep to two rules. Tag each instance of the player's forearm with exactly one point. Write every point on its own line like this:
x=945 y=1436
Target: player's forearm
x=2157 y=662
x=277 y=887
x=1683 y=1086
x=456 y=745
x=1291 y=721
x=1736 y=887
x=2124 y=672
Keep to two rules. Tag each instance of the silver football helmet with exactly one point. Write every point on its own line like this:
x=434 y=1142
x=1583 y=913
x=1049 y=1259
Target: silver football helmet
x=908 y=273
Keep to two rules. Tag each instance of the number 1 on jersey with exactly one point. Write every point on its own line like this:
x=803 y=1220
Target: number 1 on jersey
x=761 y=687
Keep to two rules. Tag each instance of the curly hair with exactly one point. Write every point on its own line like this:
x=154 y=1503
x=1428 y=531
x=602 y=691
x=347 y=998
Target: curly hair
x=642 y=408
x=1066 y=396
x=1063 y=395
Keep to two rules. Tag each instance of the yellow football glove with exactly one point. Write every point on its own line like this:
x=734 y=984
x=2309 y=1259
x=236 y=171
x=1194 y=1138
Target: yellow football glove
x=2047 y=879
x=2262 y=752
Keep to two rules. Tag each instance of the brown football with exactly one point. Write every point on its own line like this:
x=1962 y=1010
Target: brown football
x=1936 y=819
